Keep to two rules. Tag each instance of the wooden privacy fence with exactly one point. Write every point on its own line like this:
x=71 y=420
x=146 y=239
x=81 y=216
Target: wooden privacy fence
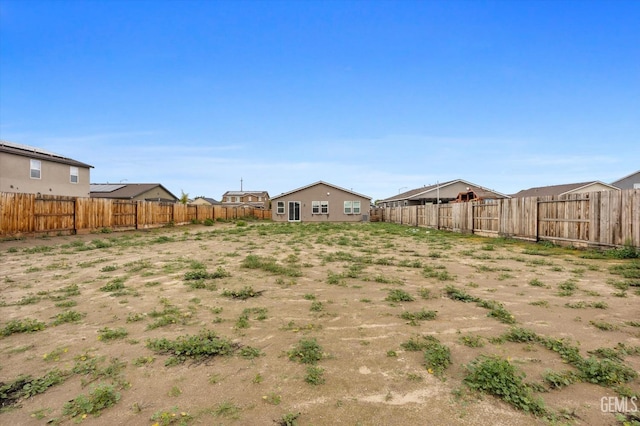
x=607 y=218
x=25 y=214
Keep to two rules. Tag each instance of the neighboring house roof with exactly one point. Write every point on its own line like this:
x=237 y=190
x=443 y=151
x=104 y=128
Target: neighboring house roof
x=242 y=193
x=284 y=194
x=124 y=191
x=208 y=200
x=631 y=178
x=38 y=154
x=431 y=191
x=542 y=191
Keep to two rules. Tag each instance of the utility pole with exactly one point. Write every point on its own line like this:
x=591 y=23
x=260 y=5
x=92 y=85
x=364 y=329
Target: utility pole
x=240 y=184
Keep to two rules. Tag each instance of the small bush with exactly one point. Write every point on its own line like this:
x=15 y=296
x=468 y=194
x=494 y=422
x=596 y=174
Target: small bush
x=101 y=397
x=243 y=294
x=107 y=333
x=314 y=375
x=204 y=345
x=307 y=351
x=397 y=295
x=26 y=325
x=498 y=377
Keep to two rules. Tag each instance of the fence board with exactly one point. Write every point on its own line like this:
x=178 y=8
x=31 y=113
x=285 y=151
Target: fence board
x=30 y=214
x=608 y=218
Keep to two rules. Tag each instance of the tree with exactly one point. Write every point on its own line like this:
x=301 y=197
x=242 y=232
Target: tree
x=184 y=198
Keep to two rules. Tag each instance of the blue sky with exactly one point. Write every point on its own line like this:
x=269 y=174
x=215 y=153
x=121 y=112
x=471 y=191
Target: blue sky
x=374 y=96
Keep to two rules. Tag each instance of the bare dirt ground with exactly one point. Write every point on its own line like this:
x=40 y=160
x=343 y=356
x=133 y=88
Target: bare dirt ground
x=337 y=297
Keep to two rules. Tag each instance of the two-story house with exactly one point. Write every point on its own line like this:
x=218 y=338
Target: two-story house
x=30 y=170
x=256 y=199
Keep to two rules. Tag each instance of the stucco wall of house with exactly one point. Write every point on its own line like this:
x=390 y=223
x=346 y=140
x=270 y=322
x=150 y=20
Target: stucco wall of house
x=594 y=187
x=200 y=202
x=321 y=192
x=55 y=178
x=155 y=194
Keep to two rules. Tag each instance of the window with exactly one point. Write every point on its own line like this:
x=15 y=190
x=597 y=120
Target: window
x=280 y=207
x=36 y=167
x=636 y=186
x=320 y=207
x=237 y=199
x=352 y=207
x=74 y=174
x=250 y=198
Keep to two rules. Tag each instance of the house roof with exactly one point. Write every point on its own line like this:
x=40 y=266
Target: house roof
x=38 y=154
x=241 y=193
x=430 y=191
x=208 y=200
x=624 y=178
x=122 y=190
x=542 y=191
x=319 y=183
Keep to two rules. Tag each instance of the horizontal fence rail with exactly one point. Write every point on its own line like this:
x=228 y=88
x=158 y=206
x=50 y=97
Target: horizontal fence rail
x=606 y=218
x=30 y=214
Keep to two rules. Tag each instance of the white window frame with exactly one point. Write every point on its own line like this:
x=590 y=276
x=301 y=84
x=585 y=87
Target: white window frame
x=35 y=171
x=315 y=207
x=356 y=207
x=324 y=207
x=74 y=173
x=280 y=207
x=348 y=207
x=636 y=186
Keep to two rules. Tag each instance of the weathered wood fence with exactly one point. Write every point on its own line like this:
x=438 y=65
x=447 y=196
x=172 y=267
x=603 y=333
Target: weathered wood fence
x=607 y=218
x=31 y=214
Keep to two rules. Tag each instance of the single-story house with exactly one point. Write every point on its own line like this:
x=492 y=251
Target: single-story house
x=445 y=192
x=564 y=189
x=205 y=201
x=320 y=202
x=133 y=191
x=29 y=170
x=631 y=181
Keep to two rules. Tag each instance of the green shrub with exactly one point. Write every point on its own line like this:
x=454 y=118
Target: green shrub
x=498 y=377
x=26 y=325
x=397 y=295
x=314 y=375
x=306 y=351
x=101 y=397
x=437 y=357
x=205 y=344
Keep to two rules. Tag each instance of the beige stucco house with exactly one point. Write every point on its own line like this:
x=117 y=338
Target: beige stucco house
x=320 y=202
x=205 y=201
x=133 y=191
x=564 y=189
x=440 y=193
x=30 y=170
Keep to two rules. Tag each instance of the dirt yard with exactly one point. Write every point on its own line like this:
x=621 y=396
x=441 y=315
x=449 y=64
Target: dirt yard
x=83 y=318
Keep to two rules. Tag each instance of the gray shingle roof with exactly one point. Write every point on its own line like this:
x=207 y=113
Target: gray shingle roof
x=38 y=154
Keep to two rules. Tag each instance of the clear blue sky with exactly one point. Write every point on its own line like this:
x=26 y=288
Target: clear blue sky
x=374 y=96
